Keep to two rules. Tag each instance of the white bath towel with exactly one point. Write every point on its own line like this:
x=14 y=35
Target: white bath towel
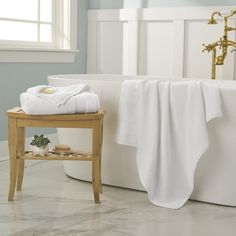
x=167 y=122
x=73 y=99
x=60 y=95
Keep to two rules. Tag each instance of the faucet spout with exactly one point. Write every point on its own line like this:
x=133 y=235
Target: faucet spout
x=212 y=21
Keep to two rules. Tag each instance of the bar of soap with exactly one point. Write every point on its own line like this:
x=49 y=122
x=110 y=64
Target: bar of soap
x=62 y=148
x=48 y=90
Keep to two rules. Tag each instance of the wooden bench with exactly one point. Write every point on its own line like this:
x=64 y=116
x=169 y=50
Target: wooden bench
x=18 y=121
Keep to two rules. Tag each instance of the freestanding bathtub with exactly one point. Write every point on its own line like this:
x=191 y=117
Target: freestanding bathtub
x=216 y=172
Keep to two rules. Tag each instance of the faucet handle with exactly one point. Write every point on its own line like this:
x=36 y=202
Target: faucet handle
x=230 y=28
x=204 y=49
x=207 y=47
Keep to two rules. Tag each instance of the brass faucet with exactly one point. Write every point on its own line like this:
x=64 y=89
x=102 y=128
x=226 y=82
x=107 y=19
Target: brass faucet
x=223 y=43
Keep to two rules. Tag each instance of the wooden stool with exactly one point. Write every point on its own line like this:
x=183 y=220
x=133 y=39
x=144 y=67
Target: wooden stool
x=18 y=120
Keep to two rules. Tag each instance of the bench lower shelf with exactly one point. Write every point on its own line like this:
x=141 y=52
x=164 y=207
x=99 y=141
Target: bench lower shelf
x=52 y=156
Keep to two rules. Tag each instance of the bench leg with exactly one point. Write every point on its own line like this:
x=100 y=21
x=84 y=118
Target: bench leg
x=100 y=177
x=95 y=179
x=100 y=156
x=20 y=174
x=13 y=172
x=21 y=162
x=96 y=165
x=12 y=144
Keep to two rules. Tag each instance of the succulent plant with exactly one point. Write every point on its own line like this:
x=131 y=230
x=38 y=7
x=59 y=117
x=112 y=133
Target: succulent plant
x=40 y=141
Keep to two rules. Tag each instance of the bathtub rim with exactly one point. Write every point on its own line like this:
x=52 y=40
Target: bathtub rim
x=223 y=84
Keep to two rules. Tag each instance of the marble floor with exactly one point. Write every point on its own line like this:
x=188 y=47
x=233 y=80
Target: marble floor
x=53 y=204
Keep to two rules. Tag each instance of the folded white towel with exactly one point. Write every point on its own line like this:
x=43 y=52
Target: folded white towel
x=87 y=102
x=169 y=128
x=60 y=95
x=63 y=100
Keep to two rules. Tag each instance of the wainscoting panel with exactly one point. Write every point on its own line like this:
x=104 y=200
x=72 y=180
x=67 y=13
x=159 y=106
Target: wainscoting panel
x=155 y=48
x=110 y=47
x=156 y=41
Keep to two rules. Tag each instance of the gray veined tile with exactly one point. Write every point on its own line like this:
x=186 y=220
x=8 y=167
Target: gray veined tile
x=51 y=204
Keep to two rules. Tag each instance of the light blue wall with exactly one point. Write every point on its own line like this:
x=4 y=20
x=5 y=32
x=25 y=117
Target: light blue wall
x=116 y=4
x=178 y=3
x=105 y=4
x=17 y=77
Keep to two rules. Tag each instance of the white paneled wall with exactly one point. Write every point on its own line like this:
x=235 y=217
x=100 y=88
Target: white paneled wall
x=155 y=48
x=106 y=45
x=156 y=41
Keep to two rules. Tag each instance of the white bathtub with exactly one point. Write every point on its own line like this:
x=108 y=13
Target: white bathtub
x=216 y=172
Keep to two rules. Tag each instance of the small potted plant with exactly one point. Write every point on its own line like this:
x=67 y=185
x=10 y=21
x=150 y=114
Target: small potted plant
x=40 y=145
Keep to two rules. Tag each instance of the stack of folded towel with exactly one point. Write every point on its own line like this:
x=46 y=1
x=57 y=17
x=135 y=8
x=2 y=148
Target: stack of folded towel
x=47 y=100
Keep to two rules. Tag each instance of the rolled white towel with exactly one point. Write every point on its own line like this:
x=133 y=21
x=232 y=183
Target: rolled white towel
x=35 y=103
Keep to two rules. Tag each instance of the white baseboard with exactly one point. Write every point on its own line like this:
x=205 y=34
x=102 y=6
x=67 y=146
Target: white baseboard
x=4 y=145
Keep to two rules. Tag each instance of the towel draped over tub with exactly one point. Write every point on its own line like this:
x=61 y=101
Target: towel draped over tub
x=167 y=122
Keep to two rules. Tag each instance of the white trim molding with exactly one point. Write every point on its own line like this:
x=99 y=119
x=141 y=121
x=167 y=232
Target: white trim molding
x=37 y=55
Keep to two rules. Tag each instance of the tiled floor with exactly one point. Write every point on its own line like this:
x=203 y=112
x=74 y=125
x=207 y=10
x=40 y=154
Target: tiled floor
x=53 y=204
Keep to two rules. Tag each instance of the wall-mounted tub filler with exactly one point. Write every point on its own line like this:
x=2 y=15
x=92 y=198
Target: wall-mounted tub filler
x=223 y=43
